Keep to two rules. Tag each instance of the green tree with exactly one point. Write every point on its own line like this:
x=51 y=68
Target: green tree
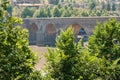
x=92 y=5
x=98 y=61
x=85 y=14
x=71 y=61
x=53 y=2
x=113 y=7
x=68 y=11
x=41 y=12
x=17 y=61
x=9 y=9
x=104 y=43
x=48 y=12
x=103 y=5
x=103 y=40
x=108 y=6
x=98 y=13
x=36 y=14
x=56 y=12
x=27 y=12
x=60 y=60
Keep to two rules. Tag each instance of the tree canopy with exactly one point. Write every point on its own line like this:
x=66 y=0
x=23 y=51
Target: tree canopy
x=17 y=61
x=99 y=60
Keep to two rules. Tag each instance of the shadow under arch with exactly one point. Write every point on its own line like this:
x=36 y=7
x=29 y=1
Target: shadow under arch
x=50 y=29
x=50 y=35
x=79 y=31
x=33 y=34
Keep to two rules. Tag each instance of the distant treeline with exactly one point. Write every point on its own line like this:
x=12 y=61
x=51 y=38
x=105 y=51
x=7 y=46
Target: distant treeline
x=65 y=8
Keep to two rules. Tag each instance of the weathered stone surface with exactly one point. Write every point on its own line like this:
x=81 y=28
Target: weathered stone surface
x=43 y=31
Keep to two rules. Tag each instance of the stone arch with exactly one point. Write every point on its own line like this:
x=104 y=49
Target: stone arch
x=78 y=30
x=33 y=33
x=50 y=29
x=50 y=35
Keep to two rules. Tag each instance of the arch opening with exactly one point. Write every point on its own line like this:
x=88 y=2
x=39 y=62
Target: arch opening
x=79 y=32
x=82 y=31
x=50 y=35
x=76 y=27
x=33 y=34
x=50 y=29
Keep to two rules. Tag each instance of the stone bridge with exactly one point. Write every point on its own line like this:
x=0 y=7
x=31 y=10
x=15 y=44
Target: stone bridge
x=43 y=31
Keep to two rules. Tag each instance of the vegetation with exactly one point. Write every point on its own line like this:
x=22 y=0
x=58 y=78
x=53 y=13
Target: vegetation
x=100 y=60
x=104 y=43
x=17 y=61
x=53 y=2
x=68 y=8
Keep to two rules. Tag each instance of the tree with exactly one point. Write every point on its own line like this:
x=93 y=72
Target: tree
x=9 y=9
x=48 y=12
x=103 y=5
x=36 y=13
x=53 y=2
x=108 y=6
x=27 y=12
x=113 y=7
x=92 y=5
x=56 y=12
x=98 y=13
x=61 y=69
x=41 y=12
x=17 y=61
x=103 y=40
x=85 y=14
x=100 y=60
x=104 y=43
x=62 y=0
x=71 y=61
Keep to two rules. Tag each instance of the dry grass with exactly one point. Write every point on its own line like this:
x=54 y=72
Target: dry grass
x=40 y=51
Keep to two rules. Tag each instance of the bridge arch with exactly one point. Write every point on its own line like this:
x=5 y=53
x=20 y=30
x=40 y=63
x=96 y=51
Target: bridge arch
x=78 y=30
x=50 y=34
x=50 y=29
x=33 y=33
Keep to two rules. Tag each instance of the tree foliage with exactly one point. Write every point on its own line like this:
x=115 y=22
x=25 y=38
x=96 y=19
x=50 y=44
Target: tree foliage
x=105 y=41
x=67 y=8
x=108 y=6
x=70 y=61
x=113 y=7
x=56 y=12
x=27 y=12
x=92 y=5
x=100 y=60
x=53 y=1
x=60 y=60
x=17 y=61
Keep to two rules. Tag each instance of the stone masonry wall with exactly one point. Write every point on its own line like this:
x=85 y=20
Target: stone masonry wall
x=43 y=31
